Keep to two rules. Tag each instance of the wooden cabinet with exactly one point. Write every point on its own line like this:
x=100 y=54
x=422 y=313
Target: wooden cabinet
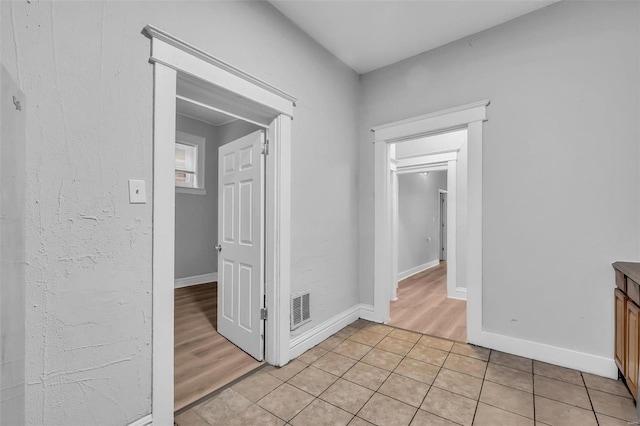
x=627 y=322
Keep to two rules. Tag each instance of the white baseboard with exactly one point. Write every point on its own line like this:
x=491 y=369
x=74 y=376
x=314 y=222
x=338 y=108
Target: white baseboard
x=419 y=268
x=459 y=293
x=305 y=341
x=563 y=357
x=366 y=313
x=145 y=421
x=195 y=280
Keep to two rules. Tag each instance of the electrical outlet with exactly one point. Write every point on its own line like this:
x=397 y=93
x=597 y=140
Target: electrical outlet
x=137 y=192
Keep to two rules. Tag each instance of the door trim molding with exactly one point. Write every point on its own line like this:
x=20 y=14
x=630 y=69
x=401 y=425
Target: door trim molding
x=471 y=117
x=170 y=57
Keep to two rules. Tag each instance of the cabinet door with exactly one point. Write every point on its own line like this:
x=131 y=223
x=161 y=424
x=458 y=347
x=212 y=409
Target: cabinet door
x=631 y=372
x=621 y=311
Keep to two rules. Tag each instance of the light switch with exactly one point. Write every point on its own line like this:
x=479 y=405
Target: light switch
x=137 y=192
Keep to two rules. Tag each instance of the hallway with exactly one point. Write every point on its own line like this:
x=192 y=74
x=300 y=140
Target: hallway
x=423 y=306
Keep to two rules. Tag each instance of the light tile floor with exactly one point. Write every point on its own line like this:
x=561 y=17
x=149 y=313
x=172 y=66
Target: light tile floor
x=370 y=373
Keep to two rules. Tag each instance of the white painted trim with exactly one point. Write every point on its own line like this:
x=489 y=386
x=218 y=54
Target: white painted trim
x=419 y=169
x=164 y=131
x=179 y=55
x=437 y=122
x=474 y=231
x=278 y=241
x=145 y=421
x=455 y=190
x=470 y=116
x=195 y=280
x=367 y=312
x=171 y=57
x=316 y=335
x=410 y=272
x=602 y=366
x=426 y=159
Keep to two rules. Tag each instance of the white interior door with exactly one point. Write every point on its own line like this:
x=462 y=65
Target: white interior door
x=240 y=224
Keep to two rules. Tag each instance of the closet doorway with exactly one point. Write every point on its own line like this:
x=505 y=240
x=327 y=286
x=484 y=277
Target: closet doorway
x=219 y=210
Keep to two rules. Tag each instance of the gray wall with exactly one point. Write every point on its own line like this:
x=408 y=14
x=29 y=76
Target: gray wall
x=84 y=66
x=197 y=215
x=560 y=162
x=419 y=218
x=12 y=251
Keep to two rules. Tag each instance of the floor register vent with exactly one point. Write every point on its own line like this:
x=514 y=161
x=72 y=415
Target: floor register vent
x=300 y=310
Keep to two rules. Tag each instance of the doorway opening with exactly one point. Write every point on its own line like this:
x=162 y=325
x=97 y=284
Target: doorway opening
x=465 y=166
x=221 y=87
x=218 y=218
x=429 y=297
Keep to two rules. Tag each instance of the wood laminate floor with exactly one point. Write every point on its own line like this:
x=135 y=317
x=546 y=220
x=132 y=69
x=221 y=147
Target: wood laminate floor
x=423 y=306
x=204 y=360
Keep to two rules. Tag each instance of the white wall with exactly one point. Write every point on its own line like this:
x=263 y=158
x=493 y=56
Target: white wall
x=12 y=250
x=419 y=218
x=560 y=162
x=84 y=67
x=196 y=214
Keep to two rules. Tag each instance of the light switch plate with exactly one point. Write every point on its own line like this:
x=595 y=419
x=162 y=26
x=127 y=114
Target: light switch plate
x=137 y=192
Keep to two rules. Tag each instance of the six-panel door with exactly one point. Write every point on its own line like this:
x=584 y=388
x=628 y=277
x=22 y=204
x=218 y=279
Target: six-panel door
x=240 y=237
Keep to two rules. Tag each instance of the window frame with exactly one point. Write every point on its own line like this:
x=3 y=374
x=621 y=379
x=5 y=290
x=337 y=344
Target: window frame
x=199 y=143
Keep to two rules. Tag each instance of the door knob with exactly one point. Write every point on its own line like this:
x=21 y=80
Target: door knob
x=218 y=247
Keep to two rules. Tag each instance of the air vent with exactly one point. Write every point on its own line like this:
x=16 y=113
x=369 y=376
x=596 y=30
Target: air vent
x=300 y=310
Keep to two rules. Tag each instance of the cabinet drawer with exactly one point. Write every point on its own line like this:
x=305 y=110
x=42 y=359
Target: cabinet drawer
x=633 y=291
x=621 y=281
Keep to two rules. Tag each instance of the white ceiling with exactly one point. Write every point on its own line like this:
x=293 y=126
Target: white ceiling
x=367 y=35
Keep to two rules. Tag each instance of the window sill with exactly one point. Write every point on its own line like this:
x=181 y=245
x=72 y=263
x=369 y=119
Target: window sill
x=192 y=191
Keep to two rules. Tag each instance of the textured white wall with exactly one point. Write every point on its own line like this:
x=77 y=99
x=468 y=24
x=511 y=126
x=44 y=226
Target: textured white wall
x=12 y=250
x=197 y=215
x=419 y=218
x=560 y=162
x=84 y=67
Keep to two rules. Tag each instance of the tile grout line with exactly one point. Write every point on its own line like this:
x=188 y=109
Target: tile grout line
x=482 y=387
x=593 y=409
x=431 y=386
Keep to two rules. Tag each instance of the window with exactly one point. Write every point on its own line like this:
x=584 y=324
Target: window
x=189 y=163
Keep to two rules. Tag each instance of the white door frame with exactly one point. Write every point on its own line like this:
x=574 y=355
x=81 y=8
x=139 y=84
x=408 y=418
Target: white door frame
x=446 y=193
x=171 y=56
x=470 y=117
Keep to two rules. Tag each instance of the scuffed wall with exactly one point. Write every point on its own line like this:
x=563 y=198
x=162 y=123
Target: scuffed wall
x=560 y=162
x=84 y=68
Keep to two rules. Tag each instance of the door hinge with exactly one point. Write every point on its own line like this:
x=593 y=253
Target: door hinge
x=265 y=148
x=263 y=313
